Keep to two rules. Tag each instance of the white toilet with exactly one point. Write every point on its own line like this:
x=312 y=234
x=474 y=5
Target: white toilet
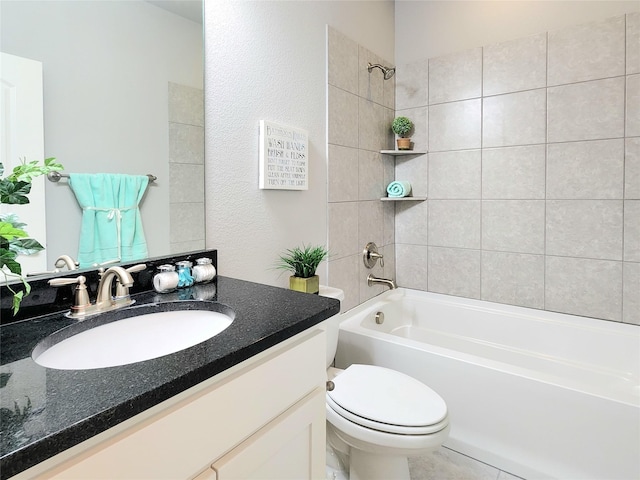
x=377 y=417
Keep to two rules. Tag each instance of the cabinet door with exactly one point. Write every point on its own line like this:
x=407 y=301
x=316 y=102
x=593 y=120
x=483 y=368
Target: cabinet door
x=291 y=447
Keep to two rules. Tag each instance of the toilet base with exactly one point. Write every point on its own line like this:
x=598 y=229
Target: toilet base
x=373 y=466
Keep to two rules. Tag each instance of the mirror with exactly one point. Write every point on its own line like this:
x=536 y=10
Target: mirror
x=123 y=93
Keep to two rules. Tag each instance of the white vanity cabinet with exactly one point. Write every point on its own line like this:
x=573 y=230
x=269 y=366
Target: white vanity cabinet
x=263 y=418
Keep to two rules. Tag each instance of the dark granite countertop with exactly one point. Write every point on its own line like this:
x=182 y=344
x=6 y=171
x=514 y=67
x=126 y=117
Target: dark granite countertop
x=46 y=411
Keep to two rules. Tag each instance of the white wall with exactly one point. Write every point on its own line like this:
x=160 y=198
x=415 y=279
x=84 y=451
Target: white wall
x=267 y=60
x=106 y=71
x=427 y=29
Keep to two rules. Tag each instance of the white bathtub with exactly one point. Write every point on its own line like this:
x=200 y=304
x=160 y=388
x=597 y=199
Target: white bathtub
x=534 y=393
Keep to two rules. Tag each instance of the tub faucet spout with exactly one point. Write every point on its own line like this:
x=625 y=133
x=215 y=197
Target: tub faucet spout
x=371 y=280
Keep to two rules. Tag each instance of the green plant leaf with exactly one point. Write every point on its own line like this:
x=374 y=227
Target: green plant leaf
x=25 y=246
x=14 y=193
x=13 y=219
x=302 y=262
x=8 y=259
x=27 y=171
x=17 y=300
x=9 y=232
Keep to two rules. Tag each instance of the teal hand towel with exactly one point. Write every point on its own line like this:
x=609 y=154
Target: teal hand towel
x=111 y=226
x=399 y=189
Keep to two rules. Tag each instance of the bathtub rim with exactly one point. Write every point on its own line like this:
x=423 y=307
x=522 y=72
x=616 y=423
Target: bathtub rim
x=353 y=319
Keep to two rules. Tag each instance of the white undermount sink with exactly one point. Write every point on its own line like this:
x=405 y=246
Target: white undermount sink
x=134 y=339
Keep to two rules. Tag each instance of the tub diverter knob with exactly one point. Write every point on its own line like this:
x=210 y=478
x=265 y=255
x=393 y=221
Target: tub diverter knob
x=379 y=318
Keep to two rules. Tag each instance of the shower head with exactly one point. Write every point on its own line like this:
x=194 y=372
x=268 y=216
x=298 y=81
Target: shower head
x=388 y=72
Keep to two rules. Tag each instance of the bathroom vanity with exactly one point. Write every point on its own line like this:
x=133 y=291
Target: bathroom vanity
x=247 y=403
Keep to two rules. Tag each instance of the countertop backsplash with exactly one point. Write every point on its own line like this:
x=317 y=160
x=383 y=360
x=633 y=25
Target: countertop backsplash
x=45 y=299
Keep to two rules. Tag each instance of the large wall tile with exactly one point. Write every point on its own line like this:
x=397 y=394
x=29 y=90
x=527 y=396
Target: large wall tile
x=632 y=121
x=455 y=175
x=186 y=104
x=365 y=291
x=370 y=176
x=411 y=266
x=584 y=228
x=411 y=222
x=586 y=111
x=389 y=253
x=389 y=92
x=419 y=136
x=515 y=65
x=370 y=223
x=343 y=117
x=632 y=168
x=343 y=170
x=514 y=119
x=454 y=271
x=389 y=225
x=412 y=85
x=343 y=274
x=513 y=225
x=186 y=217
x=632 y=230
x=186 y=143
x=454 y=223
x=343 y=229
x=631 y=293
x=371 y=83
x=455 y=126
x=457 y=76
x=343 y=61
x=581 y=286
x=414 y=170
x=587 y=52
x=187 y=246
x=373 y=120
x=186 y=183
x=513 y=278
x=586 y=170
x=513 y=172
x=633 y=42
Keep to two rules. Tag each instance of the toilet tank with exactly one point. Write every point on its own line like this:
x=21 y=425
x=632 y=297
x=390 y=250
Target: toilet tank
x=332 y=324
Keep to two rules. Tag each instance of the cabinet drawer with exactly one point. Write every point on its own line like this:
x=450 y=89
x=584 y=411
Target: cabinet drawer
x=185 y=437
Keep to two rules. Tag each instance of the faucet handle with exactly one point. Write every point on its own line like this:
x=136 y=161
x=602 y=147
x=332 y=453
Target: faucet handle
x=370 y=255
x=137 y=268
x=122 y=292
x=81 y=298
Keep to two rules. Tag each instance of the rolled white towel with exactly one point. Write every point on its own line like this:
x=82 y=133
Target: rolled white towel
x=399 y=189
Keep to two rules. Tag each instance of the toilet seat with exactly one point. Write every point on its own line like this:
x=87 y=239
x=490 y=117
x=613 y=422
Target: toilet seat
x=387 y=401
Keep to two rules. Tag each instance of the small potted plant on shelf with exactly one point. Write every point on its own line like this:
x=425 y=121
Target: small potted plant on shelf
x=302 y=263
x=403 y=127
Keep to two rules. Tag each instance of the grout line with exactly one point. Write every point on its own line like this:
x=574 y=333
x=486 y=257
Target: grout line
x=546 y=148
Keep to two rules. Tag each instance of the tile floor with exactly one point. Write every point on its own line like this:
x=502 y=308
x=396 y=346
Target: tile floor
x=445 y=464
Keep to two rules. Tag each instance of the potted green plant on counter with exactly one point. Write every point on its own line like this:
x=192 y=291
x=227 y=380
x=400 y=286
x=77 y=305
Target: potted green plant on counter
x=302 y=263
x=402 y=127
x=14 y=240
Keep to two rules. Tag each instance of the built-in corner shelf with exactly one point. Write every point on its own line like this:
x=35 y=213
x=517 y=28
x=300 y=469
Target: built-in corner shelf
x=400 y=153
x=403 y=199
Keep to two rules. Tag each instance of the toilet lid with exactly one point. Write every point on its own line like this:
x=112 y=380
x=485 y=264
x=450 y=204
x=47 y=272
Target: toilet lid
x=386 y=396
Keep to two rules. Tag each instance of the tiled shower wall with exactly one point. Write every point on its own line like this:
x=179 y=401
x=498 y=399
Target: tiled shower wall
x=361 y=108
x=533 y=172
x=186 y=168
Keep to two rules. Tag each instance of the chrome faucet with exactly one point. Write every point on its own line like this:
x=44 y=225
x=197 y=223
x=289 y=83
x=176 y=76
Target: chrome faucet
x=105 y=301
x=66 y=260
x=371 y=281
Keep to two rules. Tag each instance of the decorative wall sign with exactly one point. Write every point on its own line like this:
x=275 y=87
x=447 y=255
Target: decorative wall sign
x=284 y=157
